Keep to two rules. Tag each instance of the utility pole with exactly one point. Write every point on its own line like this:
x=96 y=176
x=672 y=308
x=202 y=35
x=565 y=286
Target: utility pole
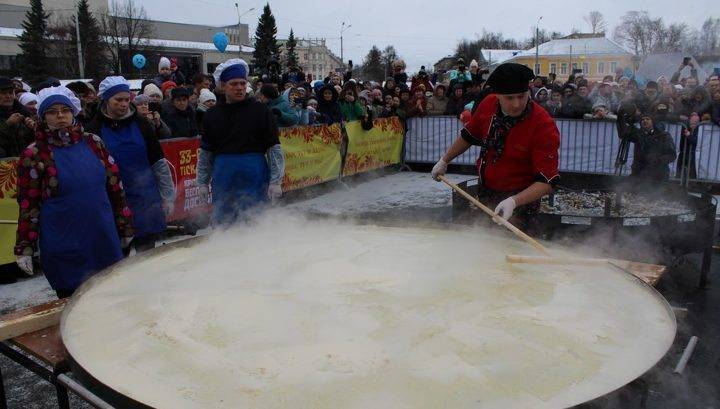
x=239 y=40
x=537 y=47
x=342 y=29
x=81 y=65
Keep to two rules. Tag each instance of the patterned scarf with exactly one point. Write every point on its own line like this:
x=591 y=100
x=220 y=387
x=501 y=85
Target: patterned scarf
x=499 y=128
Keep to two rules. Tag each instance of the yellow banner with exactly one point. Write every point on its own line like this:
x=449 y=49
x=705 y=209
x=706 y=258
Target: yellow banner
x=374 y=149
x=9 y=209
x=312 y=155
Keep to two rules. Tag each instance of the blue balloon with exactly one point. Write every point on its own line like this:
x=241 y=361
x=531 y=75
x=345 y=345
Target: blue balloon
x=139 y=61
x=221 y=41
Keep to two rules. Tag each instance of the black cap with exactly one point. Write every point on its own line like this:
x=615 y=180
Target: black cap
x=6 y=83
x=179 y=92
x=510 y=78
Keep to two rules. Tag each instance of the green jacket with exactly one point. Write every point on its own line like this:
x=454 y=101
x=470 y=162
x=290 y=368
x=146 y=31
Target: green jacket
x=351 y=111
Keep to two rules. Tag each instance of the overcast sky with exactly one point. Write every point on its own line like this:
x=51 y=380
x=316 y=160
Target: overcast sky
x=422 y=31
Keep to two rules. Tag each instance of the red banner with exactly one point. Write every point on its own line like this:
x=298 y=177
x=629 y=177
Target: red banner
x=182 y=156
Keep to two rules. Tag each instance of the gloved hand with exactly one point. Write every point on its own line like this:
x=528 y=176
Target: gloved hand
x=505 y=208
x=168 y=208
x=274 y=191
x=125 y=242
x=203 y=192
x=439 y=169
x=25 y=264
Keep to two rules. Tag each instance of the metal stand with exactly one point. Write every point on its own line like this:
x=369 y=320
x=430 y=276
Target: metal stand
x=38 y=369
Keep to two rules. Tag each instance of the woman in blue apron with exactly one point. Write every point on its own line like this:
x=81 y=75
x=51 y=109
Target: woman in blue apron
x=240 y=152
x=132 y=141
x=72 y=203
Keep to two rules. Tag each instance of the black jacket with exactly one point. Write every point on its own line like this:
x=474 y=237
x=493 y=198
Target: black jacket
x=329 y=111
x=653 y=150
x=152 y=144
x=14 y=138
x=241 y=127
x=182 y=123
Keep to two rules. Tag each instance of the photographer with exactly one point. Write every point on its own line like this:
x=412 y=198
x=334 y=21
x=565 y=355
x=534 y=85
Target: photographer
x=151 y=111
x=654 y=149
x=17 y=128
x=686 y=62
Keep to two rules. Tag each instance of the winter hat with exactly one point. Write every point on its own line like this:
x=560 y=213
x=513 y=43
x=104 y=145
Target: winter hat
x=141 y=99
x=474 y=64
x=206 y=95
x=6 y=83
x=167 y=85
x=111 y=86
x=233 y=68
x=164 y=63
x=510 y=78
x=152 y=89
x=27 y=97
x=179 y=92
x=57 y=95
x=547 y=91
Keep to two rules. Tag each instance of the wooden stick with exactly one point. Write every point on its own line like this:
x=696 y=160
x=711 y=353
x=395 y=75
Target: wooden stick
x=564 y=261
x=31 y=319
x=497 y=218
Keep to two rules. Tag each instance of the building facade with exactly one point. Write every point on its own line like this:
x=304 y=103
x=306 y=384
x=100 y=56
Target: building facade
x=190 y=45
x=314 y=57
x=595 y=55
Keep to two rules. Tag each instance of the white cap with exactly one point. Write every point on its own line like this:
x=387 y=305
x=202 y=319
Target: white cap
x=206 y=95
x=113 y=85
x=233 y=63
x=27 y=97
x=50 y=96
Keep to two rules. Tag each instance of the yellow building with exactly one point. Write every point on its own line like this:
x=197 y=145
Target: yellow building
x=595 y=55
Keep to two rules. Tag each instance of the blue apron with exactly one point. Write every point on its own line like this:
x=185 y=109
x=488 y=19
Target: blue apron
x=78 y=236
x=239 y=185
x=127 y=147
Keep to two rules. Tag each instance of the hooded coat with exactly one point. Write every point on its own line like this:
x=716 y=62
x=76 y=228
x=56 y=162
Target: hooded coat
x=285 y=115
x=329 y=111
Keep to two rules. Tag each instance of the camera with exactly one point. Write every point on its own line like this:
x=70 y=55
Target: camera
x=686 y=60
x=154 y=107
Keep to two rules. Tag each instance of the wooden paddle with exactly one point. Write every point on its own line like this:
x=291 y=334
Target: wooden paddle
x=497 y=218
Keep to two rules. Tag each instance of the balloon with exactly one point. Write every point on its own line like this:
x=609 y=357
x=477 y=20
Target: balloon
x=139 y=61
x=221 y=41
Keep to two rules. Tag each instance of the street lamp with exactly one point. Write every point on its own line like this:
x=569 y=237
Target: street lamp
x=343 y=27
x=237 y=7
x=537 y=47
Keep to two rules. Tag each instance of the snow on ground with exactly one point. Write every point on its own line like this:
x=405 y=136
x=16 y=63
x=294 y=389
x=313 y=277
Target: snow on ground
x=395 y=191
x=25 y=293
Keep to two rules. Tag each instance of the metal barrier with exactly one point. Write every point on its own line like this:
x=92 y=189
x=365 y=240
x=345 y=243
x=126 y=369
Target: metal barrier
x=707 y=153
x=589 y=146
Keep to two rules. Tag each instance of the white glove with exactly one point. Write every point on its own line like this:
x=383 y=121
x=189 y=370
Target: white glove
x=439 y=169
x=125 y=242
x=505 y=208
x=169 y=208
x=203 y=192
x=274 y=191
x=26 y=265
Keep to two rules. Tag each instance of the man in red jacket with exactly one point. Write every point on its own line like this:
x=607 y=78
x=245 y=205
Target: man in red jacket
x=519 y=144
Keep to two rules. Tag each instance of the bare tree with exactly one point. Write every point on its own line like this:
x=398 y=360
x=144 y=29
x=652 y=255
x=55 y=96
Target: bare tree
x=596 y=21
x=126 y=29
x=710 y=34
x=639 y=31
x=61 y=49
x=673 y=38
x=389 y=54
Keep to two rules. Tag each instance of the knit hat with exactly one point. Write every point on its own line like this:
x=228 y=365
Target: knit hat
x=269 y=91
x=231 y=69
x=57 y=95
x=152 y=89
x=206 y=95
x=164 y=63
x=179 y=92
x=541 y=89
x=111 y=86
x=6 y=83
x=27 y=97
x=510 y=78
x=167 y=85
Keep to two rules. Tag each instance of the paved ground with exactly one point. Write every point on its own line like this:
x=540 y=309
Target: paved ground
x=413 y=198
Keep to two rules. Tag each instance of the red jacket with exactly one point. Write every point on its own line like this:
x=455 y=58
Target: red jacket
x=531 y=148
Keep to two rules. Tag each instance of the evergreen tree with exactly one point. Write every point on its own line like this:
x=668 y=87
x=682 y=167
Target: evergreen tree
x=291 y=59
x=373 y=65
x=33 y=59
x=266 y=46
x=90 y=41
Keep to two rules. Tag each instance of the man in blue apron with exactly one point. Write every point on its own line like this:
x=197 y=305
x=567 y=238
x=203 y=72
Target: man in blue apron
x=72 y=205
x=240 y=150
x=132 y=141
